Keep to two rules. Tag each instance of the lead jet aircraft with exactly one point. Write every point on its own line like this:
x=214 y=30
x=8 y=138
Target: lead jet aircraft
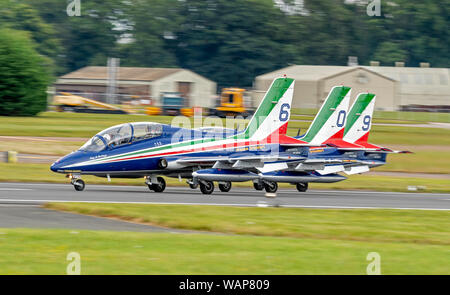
x=152 y=150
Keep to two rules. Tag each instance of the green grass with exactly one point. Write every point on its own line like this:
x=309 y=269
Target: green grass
x=27 y=251
x=394 y=135
x=21 y=172
x=396 y=116
x=422 y=161
x=59 y=148
x=402 y=226
x=77 y=124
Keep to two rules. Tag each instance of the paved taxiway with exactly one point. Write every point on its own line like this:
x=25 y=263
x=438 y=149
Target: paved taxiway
x=19 y=203
x=30 y=193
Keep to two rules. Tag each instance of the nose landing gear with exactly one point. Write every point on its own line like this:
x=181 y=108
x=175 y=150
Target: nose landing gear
x=77 y=183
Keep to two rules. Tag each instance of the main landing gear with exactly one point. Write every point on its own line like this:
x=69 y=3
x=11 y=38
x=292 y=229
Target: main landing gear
x=302 y=187
x=157 y=185
x=270 y=186
x=206 y=187
x=225 y=186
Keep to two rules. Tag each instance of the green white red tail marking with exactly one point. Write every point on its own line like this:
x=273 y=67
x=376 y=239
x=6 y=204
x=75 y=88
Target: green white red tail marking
x=330 y=120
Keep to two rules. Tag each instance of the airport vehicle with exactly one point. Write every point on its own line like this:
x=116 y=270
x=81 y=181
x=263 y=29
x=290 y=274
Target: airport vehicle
x=68 y=102
x=232 y=103
x=172 y=104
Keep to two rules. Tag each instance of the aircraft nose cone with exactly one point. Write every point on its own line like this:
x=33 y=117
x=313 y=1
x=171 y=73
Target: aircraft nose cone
x=54 y=166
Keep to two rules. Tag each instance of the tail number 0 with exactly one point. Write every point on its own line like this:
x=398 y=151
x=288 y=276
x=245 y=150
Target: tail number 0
x=366 y=122
x=284 y=112
x=341 y=118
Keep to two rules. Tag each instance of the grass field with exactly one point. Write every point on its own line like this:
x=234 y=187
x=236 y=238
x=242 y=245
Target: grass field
x=45 y=252
x=262 y=241
x=396 y=116
x=86 y=125
x=403 y=226
x=41 y=173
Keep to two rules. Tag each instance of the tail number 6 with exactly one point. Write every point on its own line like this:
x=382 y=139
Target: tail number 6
x=284 y=112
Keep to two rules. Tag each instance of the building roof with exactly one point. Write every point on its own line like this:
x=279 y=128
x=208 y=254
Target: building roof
x=414 y=80
x=124 y=73
x=315 y=73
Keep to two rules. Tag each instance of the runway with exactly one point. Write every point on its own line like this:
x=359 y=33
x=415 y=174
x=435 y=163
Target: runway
x=39 y=193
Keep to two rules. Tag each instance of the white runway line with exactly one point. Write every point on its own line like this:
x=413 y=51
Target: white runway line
x=15 y=189
x=225 y=204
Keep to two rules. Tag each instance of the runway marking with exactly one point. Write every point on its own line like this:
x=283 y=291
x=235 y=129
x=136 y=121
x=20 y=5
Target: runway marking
x=15 y=189
x=237 y=190
x=225 y=204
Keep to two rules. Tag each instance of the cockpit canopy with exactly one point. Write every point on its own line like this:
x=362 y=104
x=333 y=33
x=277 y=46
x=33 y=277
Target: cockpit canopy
x=122 y=134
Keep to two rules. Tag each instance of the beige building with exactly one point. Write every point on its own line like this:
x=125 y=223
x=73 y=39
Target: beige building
x=393 y=90
x=140 y=83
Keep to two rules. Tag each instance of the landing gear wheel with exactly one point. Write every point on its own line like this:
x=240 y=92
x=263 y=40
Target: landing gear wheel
x=193 y=186
x=270 y=186
x=302 y=187
x=207 y=187
x=258 y=186
x=79 y=185
x=225 y=187
x=158 y=187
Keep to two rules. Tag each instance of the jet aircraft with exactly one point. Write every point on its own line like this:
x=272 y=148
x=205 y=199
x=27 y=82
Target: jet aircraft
x=262 y=153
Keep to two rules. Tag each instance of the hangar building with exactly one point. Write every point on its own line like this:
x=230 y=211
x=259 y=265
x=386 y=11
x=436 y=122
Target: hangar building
x=394 y=86
x=139 y=83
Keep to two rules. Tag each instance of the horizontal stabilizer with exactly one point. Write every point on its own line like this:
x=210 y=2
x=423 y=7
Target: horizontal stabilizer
x=270 y=167
x=331 y=169
x=356 y=170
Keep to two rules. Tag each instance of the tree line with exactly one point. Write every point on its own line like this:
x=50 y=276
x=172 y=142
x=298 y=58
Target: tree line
x=230 y=41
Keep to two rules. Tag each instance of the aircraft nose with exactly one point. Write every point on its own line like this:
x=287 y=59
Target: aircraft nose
x=54 y=167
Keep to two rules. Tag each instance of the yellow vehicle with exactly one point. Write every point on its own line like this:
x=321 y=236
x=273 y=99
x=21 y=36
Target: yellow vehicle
x=172 y=104
x=67 y=102
x=232 y=103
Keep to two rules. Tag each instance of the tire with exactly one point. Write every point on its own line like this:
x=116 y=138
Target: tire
x=158 y=187
x=270 y=186
x=225 y=187
x=207 y=187
x=79 y=185
x=193 y=186
x=302 y=187
x=258 y=186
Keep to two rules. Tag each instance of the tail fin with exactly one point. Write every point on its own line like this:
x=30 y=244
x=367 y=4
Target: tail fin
x=274 y=111
x=330 y=120
x=358 y=125
x=359 y=120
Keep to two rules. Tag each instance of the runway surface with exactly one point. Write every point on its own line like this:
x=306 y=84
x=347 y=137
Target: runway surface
x=19 y=203
x=30 y=193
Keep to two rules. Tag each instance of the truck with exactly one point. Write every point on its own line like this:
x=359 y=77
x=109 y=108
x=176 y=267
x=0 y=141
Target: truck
x=172 y=104
x=233 y=102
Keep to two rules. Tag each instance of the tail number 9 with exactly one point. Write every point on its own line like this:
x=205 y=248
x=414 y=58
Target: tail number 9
x=366 y=122
x=284 y=112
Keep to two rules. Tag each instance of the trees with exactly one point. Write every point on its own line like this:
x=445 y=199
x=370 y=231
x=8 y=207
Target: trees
x=231 y=42
x=23 y=78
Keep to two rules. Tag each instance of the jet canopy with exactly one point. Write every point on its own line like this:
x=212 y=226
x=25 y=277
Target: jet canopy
x=122 y=134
